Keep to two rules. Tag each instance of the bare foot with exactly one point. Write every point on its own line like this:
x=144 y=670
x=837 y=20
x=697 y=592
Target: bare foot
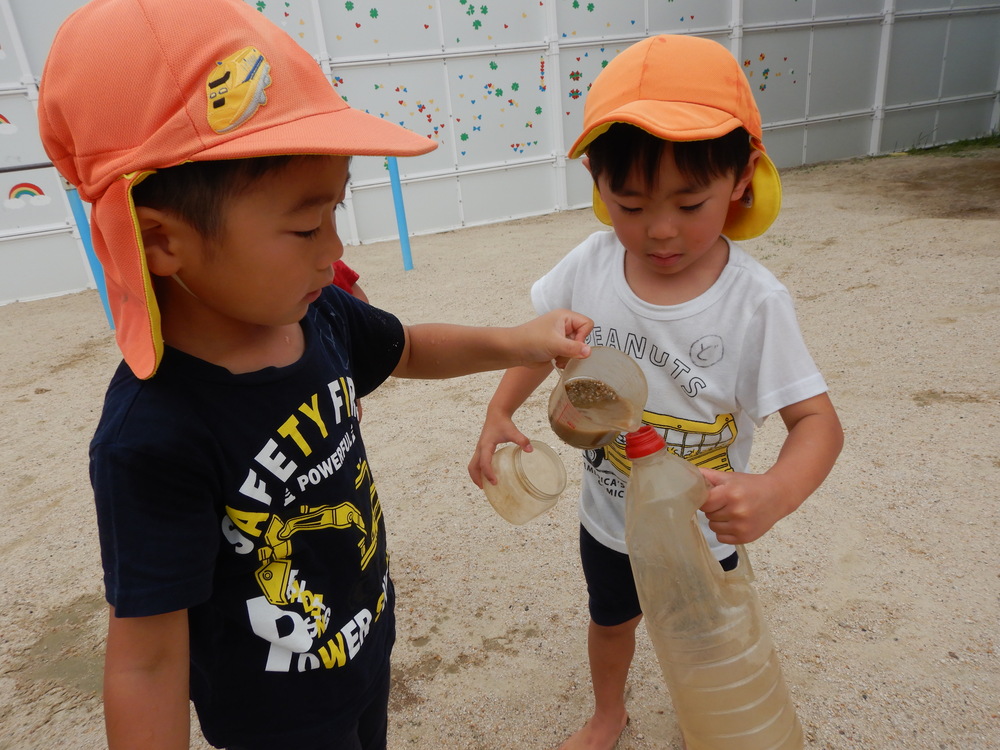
x=597 y=734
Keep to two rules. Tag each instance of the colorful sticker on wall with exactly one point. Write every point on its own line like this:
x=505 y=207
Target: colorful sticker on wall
x=759 y=70
x=502 y=100
x=421 y=116
x=26 y=194
x=364 y=19
x=282 y=13
x=372 y=14
x=6 y=126
x=470 y=10
x=586 y=67
x=487 y=21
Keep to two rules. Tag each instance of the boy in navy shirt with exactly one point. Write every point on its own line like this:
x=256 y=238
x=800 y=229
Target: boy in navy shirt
x=242 y=535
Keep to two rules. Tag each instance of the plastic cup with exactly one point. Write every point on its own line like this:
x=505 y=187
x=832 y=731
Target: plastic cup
x=598 y=398
x=528 y=483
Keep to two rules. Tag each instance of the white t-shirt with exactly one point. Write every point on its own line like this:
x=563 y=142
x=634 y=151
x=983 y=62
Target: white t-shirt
x=716 y=366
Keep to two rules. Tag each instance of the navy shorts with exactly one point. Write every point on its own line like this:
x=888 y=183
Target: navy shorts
x=610 y=585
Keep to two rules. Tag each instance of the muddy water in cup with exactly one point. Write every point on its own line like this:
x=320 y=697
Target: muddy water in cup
x=587 y=413
x=600 y=403
x=597 y=398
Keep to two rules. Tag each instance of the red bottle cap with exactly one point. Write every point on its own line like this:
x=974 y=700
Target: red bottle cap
x=643 y=442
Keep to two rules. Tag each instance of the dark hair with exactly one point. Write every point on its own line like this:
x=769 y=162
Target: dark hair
x=198 y=192
x=623 y=147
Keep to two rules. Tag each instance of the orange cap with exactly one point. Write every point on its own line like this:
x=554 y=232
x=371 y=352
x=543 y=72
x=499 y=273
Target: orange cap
x=683 y=88
x=132 y=86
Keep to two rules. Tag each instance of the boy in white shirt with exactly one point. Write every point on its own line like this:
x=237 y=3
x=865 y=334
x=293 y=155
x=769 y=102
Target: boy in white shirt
x=672 y=139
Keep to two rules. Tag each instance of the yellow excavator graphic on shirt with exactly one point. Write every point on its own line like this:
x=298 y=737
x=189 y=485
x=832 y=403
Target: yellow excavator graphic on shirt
x=705 y=444
x=275 y=556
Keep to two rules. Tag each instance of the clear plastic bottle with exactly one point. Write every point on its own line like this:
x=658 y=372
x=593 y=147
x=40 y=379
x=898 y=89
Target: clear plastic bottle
x=527 y=483
x=706 y=626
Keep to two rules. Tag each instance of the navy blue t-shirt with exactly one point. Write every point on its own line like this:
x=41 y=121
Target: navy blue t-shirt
x=248 y=501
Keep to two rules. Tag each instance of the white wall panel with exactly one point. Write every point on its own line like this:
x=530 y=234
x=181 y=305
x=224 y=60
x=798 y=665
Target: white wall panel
x=506 y=193
x=916 y=60
x=973 y=55
x=499 y=109
x=688 y=16
x=786 y=146
x=844 y=59
x=357 y=29
x=36 y=22
x=593 y=19
x=12 y=69
x=838 y=139
x=961 y=120
x=471 y=23
x=32 y=198
x=848 y=8
x=38 y=266
x=19 y=143
x=431 y=206
x=908 y=128
x=579 y=186
x=297 y=18
x=776 y=12
x=907 y=6
x=777 y=64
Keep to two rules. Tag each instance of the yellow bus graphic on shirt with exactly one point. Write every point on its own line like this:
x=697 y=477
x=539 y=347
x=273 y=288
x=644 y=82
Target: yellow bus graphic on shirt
x=705 y=444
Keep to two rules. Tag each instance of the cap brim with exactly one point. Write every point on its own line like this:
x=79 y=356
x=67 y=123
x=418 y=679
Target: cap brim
x=346 y=132
x=687 y=122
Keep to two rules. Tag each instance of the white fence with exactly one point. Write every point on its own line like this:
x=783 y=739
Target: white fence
x=501 y=87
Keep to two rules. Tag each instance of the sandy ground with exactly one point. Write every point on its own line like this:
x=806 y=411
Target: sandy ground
x=881 y=591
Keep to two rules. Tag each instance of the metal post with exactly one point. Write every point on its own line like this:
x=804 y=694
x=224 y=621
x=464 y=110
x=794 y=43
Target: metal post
x=397 y=200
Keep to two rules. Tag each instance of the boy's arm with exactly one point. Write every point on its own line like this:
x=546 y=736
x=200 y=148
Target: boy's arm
x=439 y=350
x=358 y=292
x=743 y=507
x=515 y=386
x=146 y=689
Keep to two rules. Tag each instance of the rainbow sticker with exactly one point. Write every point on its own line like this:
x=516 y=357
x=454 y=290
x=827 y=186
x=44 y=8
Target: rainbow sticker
x=25 y=190
x=6 y=126
x=25 y=194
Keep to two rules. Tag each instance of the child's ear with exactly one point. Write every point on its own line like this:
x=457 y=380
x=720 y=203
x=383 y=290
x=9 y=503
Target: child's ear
x=743 y=182
x=585 y=161
x=161 y=234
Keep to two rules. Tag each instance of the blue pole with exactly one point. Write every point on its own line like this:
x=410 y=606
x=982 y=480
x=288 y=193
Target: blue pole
x=83 y=226
x=397 y=200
